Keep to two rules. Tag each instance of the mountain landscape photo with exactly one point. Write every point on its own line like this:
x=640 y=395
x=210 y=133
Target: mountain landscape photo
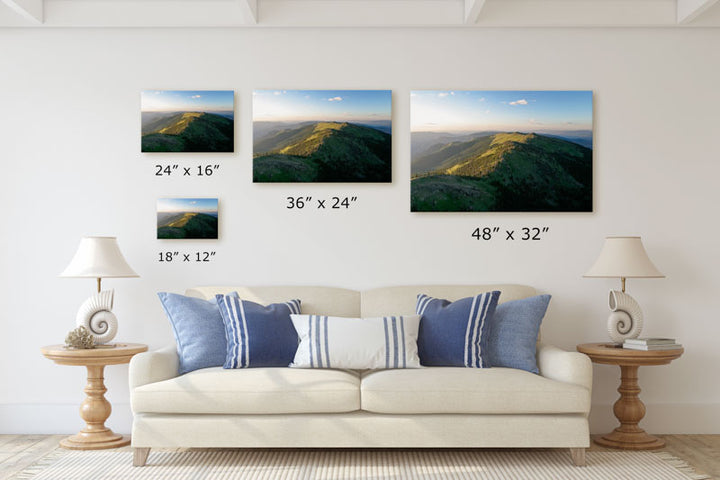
x=188 y=121
x=501 y=151
x=322 y=136
x=187 y=218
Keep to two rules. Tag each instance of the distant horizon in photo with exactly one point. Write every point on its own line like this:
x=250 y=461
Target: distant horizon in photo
x=195 y=205
x=463 y=111
x=342 y=106
x=188 y=101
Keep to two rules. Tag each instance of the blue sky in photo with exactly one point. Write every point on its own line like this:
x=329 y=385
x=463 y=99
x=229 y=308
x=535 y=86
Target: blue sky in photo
x=319 y=105
x=503 y=110
x=187 y=101
x=199 y=205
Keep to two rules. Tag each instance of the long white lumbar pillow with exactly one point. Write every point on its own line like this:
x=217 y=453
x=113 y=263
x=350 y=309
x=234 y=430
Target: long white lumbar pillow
x=356 y=343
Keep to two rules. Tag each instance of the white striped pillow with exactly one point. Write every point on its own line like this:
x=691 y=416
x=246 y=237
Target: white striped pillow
x=356 y=343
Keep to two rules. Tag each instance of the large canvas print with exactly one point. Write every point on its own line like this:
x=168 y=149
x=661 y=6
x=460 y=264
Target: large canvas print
x=188 y=121
x=322 y=136
x=501 y=151
x=187 y=218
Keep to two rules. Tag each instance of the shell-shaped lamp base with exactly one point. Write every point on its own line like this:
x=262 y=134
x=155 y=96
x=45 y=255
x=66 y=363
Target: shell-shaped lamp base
x=626 y=319
x=96 y=315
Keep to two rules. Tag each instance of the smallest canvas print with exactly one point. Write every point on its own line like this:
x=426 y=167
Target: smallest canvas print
x=187 y=218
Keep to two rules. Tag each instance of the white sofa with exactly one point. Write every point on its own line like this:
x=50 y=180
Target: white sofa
x=434 y=407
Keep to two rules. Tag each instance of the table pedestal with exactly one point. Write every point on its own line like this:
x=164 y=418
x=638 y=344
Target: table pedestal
x=95 y=409
x=629 y=410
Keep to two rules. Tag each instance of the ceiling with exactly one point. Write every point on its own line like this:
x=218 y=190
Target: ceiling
x=359 y=13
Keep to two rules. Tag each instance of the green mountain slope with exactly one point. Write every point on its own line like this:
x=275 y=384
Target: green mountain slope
x=324 y=152
x=188 y=132
x=189 y=225
x=510 y=172
x=443 y=156
x=154 y=122
x=282 y=139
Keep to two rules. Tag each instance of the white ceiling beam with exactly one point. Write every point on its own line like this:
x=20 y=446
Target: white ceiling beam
x=29 y=9
x=360 y=13
x=148 y=13
x=472 y=10
x=578 y=13
x=249 y=7
x=689 y=10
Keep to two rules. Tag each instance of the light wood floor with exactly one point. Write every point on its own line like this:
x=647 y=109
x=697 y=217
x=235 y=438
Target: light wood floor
x=20 y=451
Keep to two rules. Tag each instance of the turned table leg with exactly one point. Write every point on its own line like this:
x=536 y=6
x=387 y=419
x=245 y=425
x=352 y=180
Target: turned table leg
x=95 y=409
x=629 y=410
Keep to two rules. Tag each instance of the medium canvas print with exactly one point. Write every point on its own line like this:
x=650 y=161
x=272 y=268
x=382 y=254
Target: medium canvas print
x=201 y=121
x=187 y=218
x=501 y=151
x=322 y=136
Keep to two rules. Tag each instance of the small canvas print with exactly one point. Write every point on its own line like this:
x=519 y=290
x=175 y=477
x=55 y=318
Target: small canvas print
x=501 y=151
x=322 y=136
x=188 y=121
x=187 y=218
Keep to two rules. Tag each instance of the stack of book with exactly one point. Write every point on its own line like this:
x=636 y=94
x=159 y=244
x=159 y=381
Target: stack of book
x=651 y=344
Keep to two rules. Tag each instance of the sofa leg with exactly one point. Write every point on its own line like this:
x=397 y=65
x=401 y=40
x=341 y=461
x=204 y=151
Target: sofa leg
x=578 y=456
x=140 y=456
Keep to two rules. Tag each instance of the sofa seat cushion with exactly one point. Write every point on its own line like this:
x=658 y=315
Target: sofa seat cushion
x=469 y=390
x=252 y=391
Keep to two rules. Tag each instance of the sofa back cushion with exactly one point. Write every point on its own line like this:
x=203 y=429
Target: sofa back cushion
x=315 y=300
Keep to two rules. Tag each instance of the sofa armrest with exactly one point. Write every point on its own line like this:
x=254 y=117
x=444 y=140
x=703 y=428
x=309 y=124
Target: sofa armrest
x=151 y=367
x=569 y=367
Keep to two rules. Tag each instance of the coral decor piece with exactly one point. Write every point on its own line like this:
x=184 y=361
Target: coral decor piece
x=80 y=338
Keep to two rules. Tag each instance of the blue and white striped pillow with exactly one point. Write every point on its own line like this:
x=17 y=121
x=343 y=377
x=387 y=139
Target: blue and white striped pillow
x=356 y=343
x=454 y=334
x=257 y=335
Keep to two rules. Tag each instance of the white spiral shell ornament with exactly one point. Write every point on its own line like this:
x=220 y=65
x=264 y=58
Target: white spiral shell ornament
x=626 y=319
x=95 y=314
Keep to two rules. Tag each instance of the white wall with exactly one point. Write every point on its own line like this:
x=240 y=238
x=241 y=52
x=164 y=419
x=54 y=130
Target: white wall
x=70 y=166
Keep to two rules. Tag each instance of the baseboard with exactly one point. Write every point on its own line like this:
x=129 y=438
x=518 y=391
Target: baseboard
x=38 y=418
x=669 y=418
x=64 y=419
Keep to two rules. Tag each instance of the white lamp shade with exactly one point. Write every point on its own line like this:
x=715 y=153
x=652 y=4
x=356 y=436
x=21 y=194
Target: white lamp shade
x=98 y=257
x=623 y=257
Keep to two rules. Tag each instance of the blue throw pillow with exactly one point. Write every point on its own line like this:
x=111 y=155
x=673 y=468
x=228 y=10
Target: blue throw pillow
x=199 y=331
x=454 y=334
x=258 y=336
x=514 y=332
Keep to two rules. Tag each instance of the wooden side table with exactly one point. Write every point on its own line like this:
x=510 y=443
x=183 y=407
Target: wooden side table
x=95 y=409
x=629 y=410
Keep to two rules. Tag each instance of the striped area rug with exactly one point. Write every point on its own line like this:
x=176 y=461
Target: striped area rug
x=357 y=464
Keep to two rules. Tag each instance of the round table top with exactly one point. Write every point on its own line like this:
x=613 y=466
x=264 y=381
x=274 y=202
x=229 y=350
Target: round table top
x=112 y=354
x=612 y=354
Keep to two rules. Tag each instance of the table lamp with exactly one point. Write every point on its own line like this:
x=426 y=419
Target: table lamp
x=98 y=257
x=623 y=257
